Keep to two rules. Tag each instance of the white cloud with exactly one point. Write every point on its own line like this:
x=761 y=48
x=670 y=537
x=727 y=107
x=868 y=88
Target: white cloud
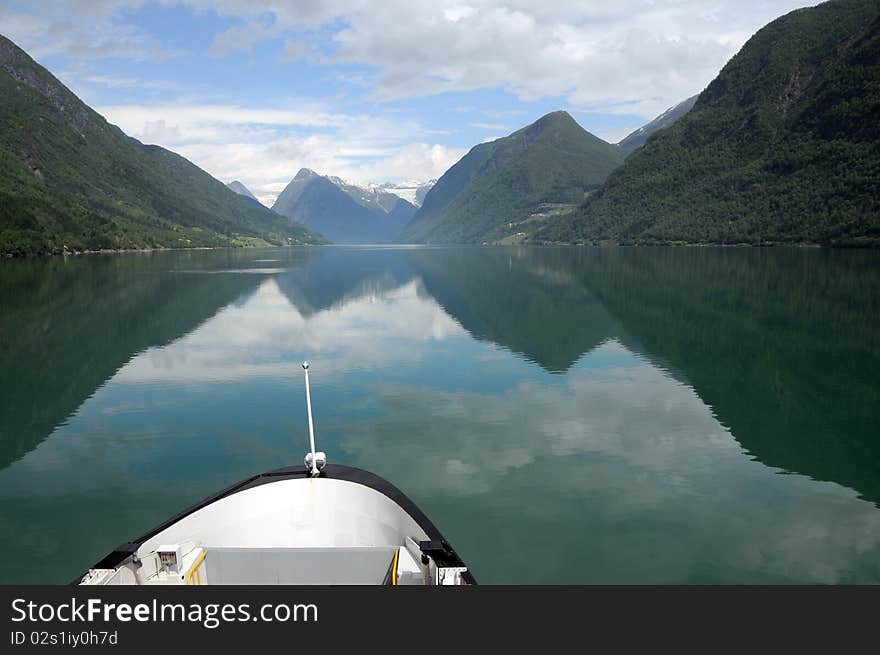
x=629 y=56
x=637 y=57
x=110 y=80
x=413 y=161
x=158 y=131
x=503 y=113
x=192 y=118
x=264 y=148
x=88 y=29
x=74 y=78
x=490 y=126
x=243 y=37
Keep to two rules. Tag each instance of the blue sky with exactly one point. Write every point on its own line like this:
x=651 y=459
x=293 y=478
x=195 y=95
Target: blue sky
x=374 y=91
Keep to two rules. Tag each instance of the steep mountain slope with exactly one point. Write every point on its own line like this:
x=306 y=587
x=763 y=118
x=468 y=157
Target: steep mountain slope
x=499 y=185
x=288 y=198
x=70 y=179
x=637 y=138
x=783 y=146
x=343 y=212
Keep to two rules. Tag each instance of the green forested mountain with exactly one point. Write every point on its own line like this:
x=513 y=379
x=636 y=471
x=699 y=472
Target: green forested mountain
x=500 y=188
x=68 y=178
x=638 y=138
x=783 y=146
x=344 y=213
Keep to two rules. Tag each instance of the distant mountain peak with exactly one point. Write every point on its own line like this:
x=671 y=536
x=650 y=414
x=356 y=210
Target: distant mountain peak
x=351 y=213
x=560 y=120
x=668 y=118
x=241 y=189
x=559 y=114
x=305 y=174
x=502 y=188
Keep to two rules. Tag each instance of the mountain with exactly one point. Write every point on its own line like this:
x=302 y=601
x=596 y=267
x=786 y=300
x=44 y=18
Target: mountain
x=499 y=186
x=376 y=198
x=782 y=147
x=637 y=139
x=343 y=212
x=245 y=193
x=71 y=180
x=241 y=189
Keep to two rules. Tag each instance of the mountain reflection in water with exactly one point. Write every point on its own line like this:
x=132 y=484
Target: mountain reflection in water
x=563 y=415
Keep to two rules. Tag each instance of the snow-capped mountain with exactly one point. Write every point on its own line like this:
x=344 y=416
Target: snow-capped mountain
x=345 y=212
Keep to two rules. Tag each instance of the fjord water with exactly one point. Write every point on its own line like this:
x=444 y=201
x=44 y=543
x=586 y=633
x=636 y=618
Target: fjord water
x=563 y=415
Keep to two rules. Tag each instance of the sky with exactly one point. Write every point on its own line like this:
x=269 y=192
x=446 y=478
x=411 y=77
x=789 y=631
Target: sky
x=390 y=91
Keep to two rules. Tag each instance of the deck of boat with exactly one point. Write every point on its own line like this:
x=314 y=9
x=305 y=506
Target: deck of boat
x=345 y=526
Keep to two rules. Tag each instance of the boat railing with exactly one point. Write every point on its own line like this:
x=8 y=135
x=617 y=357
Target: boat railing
x=194 y=577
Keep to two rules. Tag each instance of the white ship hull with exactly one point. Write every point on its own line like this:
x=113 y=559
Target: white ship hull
x=345 y=526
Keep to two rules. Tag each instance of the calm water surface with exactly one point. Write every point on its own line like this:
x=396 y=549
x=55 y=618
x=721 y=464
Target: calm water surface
x=562 y=415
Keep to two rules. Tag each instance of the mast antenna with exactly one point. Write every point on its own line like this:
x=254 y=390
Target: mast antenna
x=314 y=461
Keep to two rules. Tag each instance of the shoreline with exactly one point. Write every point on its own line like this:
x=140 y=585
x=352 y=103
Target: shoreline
x=132 y=251
x=873 y=245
